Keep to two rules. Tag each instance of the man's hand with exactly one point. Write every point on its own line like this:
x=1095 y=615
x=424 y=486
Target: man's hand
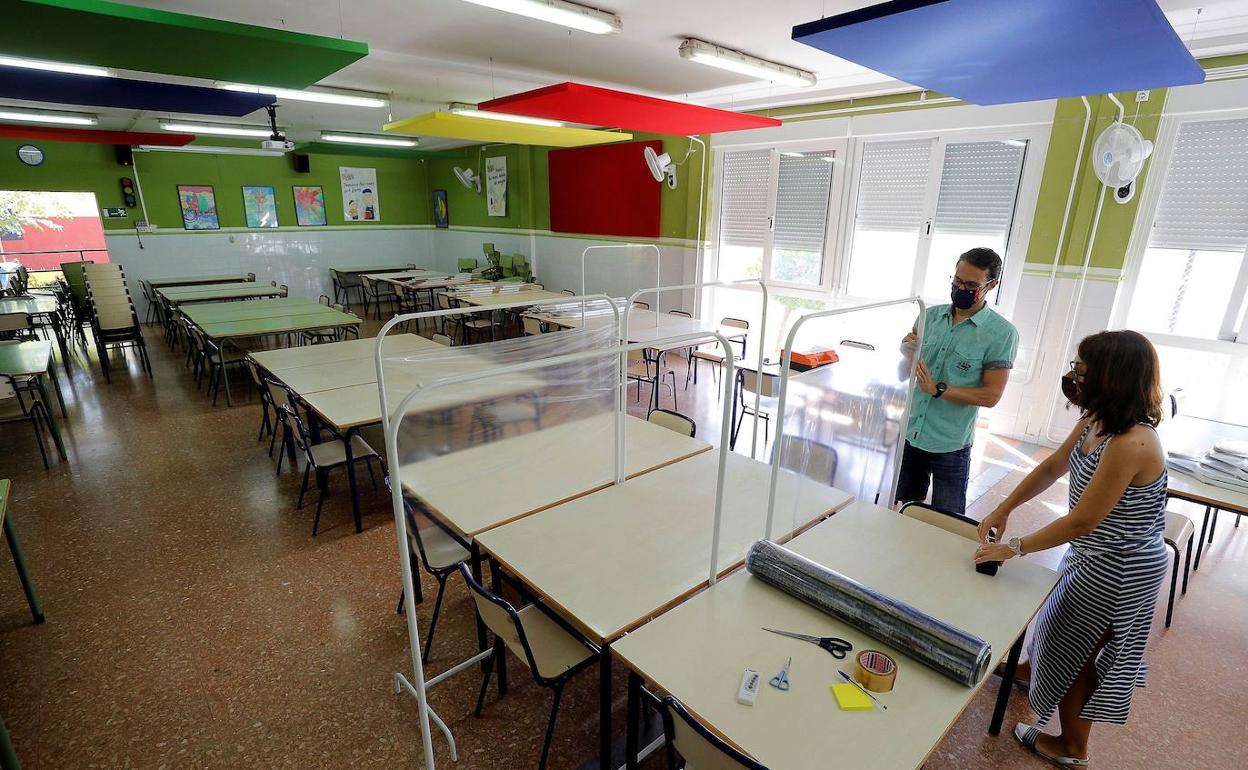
x=923 y=379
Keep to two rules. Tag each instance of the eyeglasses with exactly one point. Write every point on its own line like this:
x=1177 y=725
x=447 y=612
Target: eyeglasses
x=958 y=283
x=1079 y=369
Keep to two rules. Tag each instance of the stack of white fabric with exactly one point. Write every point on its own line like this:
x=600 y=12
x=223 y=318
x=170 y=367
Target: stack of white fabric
x=1225 y=465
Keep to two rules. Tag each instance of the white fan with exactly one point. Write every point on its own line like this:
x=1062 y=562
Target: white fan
x=1119 y=155
x=661 y=166
x=468 y=178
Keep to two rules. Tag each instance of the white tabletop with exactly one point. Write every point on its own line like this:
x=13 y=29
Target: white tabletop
x=643 y=325
x=491 y=484
x=34 y=305
x=1195 y=436
x=613 y=559
x=331 y=352
x=405 y=275
x=505 y=296
x=697 y=651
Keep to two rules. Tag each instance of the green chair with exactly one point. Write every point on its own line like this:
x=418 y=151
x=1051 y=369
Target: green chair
x=467 y=264
x=506 y=263
x=523 y=270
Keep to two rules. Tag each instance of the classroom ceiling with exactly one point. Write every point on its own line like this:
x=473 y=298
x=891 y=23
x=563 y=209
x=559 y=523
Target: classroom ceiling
x=426 y=53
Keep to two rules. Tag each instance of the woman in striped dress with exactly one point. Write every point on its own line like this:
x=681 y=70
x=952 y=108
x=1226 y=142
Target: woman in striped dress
x=1087 y=653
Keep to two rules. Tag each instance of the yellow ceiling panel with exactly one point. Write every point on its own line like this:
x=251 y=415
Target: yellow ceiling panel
x=450 y=126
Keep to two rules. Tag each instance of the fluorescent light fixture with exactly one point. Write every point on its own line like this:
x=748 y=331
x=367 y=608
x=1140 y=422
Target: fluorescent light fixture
x=295 y=95
x=559 y=12
x=215 y=129
x=472 y=112
x=713 y=55
x=210 y=150
x=54 y=66
x=373 y=141
x=61 y=118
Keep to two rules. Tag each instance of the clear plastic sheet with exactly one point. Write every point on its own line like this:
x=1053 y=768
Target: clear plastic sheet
x=842 y=423
x=962 y=657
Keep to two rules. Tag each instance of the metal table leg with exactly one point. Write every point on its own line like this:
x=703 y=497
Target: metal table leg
x=1200 y=543
x=474 y=566
x=604 y=705
x=355 y=495
x=225 y=378
x=1007 y=682
x=633 y=733
x=19 y=560
x=8 y=757
x=56 y=433
x=56 y=385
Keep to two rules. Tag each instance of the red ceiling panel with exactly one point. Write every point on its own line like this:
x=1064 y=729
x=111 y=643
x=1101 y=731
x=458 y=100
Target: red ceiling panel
x=94 y=136
x=594 y=106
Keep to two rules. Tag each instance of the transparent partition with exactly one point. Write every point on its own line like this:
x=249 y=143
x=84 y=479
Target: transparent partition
x=843 y=422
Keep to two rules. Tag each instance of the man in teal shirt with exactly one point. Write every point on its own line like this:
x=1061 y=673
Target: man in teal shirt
x=968 y=351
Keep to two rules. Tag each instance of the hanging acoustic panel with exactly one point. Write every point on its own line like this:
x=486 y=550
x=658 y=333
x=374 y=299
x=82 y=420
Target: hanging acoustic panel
x=604 y=191
x=63 y=88
x=993 y=52
x=594 y=106
x=450 y=126
x=109 y=34
x=95 y=136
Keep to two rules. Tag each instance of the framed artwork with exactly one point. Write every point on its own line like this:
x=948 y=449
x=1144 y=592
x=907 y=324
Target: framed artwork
x=441 y=214
x=260 y=205
x=309 y=205
x=199 y=207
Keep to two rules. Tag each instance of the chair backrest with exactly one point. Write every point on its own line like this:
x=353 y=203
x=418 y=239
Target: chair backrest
x=569 y=292
x=339 y=307
x=810 y=458
x=251 y=277
x=468 y=264
x=487 y=249
x=114 y=317
x=323 y=299
x=350 y=280
x=279 y=395
x=501 y=618
x=300 y=434
x=641 y=305
x=285 y=290
x=736 y=323
x=444 y=300
x=766 y=384
x=442 y=339
x=674 y=421
x=680 y=313
x=950 y=522
x=254 y=370
x=531 y=325
x=700 y=748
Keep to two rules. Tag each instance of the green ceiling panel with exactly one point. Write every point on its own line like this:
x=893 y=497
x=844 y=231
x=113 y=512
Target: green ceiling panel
x=110 y=34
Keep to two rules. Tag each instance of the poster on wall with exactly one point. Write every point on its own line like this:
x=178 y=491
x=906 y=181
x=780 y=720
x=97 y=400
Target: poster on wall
x=260 y=205
x=496 y=186
x=360 y=202
x=199 y=207
x=309 y=205
x=441 y=214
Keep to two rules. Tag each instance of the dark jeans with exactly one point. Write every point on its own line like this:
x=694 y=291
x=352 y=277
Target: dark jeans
x=949 y=473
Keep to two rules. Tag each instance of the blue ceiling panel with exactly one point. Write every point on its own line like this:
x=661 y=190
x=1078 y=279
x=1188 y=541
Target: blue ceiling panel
x=62 y=88
x=1003 y=51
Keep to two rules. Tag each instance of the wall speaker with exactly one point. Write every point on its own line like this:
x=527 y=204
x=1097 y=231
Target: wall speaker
x=301 y=162
x=125 y=154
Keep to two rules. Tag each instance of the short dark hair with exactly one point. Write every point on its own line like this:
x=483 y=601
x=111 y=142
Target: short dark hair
x=985 y=259
x=1122 y=386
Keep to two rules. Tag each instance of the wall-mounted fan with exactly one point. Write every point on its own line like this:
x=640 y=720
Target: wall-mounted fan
x=1118 y=157
x=661 y=167
x=468 y=178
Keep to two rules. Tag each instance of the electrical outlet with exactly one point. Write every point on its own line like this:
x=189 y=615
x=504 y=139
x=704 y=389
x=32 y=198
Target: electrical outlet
x=1141 y=96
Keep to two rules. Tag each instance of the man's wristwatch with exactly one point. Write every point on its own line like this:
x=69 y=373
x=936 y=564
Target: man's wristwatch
x=941 y=387
x=1016 y=545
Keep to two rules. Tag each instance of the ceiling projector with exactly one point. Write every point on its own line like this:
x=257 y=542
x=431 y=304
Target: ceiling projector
x=280 y=145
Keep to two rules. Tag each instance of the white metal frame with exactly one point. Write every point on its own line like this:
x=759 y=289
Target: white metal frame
x=392 y=420
x=658 y=259
x=786 y=372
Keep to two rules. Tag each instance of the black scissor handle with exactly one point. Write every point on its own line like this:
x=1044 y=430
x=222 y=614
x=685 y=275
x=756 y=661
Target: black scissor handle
x=838 y=648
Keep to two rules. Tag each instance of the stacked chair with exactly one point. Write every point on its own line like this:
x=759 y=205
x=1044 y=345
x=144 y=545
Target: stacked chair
x=114 y=321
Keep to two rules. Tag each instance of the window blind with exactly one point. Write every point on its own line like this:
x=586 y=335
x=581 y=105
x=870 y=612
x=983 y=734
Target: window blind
x=892 y=184
x=1204 y=200
x=978 y=187
x=802 y=201
x=743 y=198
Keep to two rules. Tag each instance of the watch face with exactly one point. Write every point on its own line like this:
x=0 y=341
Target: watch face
x=30 y=154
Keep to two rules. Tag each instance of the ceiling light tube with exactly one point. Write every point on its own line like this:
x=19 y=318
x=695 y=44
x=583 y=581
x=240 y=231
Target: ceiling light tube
x=54 y=66
x=295 y=95
x=470 y=111
x=713 y=55
x=60 y=118
x=211 y=150
x=372 y=141
x=559 y=12
x=214 y=129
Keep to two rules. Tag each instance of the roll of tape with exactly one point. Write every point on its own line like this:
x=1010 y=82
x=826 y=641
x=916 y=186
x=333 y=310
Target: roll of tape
x=875 y=671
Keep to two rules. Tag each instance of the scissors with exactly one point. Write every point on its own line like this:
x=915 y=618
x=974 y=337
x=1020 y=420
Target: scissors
x=836 y=647
x=781 y=681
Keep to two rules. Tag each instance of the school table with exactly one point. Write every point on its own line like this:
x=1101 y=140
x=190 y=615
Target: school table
x=334 y=352
x=34 y=359
x=192 y=280
x=1194 y=436
x=215 y=292
x=44 y=307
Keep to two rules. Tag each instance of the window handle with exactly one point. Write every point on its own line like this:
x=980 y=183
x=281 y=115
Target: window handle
x=771 y=224
x=927 y=228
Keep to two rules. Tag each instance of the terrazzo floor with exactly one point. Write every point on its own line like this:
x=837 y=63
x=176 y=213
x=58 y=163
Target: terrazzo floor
x=194 y=623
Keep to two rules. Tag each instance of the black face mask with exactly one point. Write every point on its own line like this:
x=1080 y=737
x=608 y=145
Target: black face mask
x=1070 y=389
x=963 y=299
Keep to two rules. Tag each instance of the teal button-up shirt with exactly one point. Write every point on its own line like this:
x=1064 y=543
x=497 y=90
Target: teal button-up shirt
x=957 y=355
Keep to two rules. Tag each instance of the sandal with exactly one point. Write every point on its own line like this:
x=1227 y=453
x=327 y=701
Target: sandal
x=1027 y=735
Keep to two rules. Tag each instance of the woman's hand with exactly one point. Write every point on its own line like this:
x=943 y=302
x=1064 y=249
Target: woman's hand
x=993 y=552
x=997 y=520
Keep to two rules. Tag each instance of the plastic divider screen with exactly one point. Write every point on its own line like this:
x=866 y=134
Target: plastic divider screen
x=842 y=422
x=497 y=445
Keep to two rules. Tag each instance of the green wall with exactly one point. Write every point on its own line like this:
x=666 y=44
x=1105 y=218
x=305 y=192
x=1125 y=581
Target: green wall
x=402 y=183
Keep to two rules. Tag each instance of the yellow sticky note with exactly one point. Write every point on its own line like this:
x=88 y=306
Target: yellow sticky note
x=850 y=698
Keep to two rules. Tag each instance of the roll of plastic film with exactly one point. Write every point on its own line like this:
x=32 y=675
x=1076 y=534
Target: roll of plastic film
x=875 y=671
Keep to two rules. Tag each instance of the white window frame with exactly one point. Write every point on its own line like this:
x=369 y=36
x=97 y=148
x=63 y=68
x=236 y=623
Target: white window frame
x=1015 y=256
x=1141 y=232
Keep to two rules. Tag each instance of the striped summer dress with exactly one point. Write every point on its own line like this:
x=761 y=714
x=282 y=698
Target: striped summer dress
x=1110 y=580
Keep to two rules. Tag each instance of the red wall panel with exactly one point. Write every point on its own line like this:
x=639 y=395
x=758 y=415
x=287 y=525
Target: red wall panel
x=604 y=190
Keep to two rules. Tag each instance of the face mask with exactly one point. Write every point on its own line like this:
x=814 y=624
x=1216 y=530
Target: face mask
x=1070 y=388
x=963 y=299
